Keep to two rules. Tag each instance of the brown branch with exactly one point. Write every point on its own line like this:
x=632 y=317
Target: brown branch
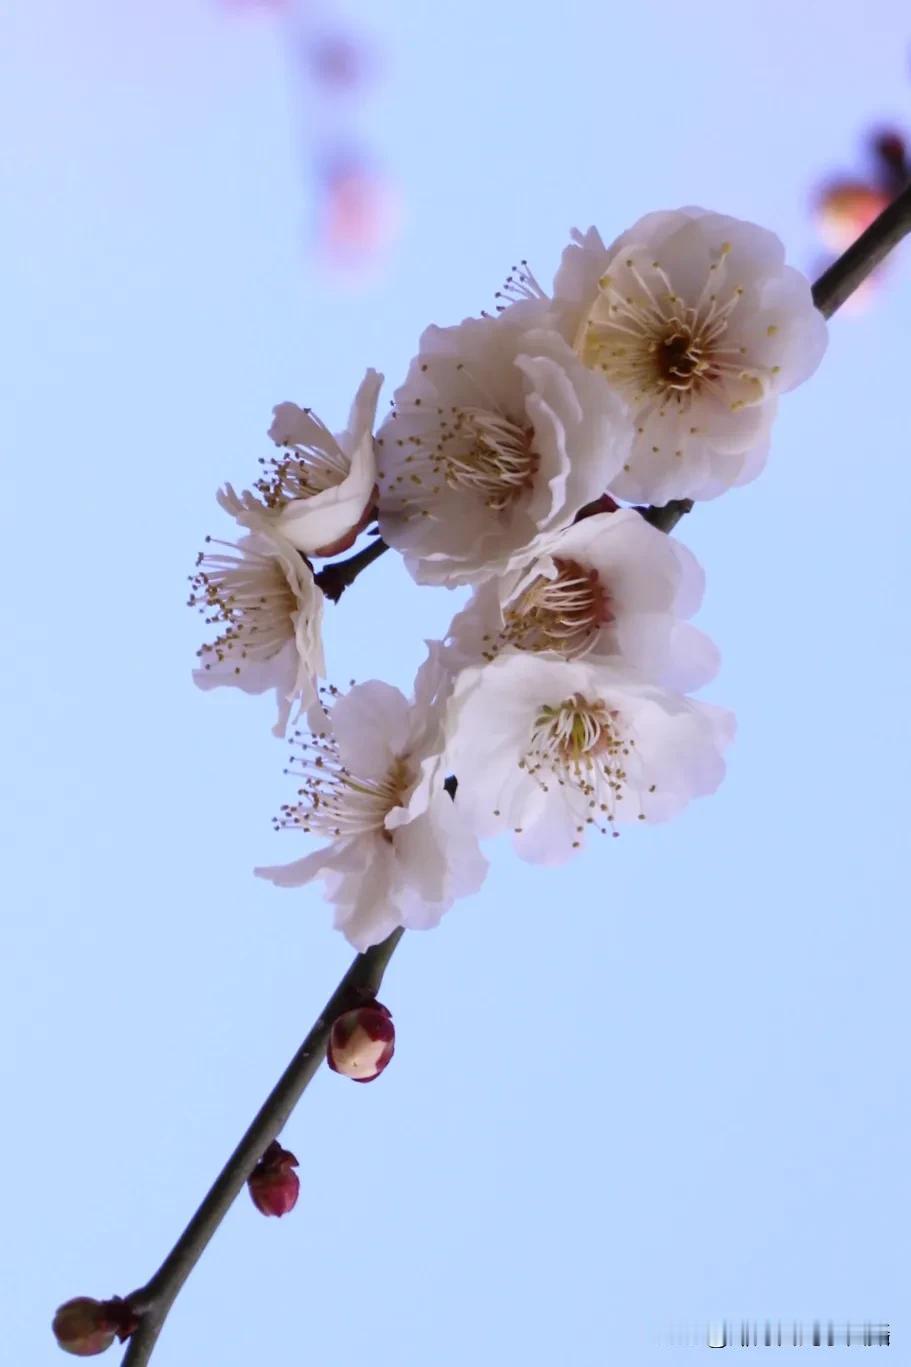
x=665 y=518
x=334 y=579
x=851 y=269
x=153 y=1301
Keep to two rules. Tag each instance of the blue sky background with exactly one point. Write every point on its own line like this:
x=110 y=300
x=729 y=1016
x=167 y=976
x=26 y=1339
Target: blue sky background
x=666 y=1083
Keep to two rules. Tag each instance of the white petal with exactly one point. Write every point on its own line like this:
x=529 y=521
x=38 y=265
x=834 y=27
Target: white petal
x=333 y=859
x=314 y=524
x=461 y=513
x=372 y=723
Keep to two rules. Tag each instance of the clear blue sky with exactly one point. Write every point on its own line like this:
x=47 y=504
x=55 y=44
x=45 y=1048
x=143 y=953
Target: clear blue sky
x=665 y=1083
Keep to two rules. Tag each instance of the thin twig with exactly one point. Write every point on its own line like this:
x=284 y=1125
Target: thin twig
x=154 y=1300
x=666 y=517
x=851 y=269
x=334 y=579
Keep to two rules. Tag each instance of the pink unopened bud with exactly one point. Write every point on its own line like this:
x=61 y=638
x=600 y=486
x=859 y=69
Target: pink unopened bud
x=84 y=1326
x=362 y=1042
x=273 y=1185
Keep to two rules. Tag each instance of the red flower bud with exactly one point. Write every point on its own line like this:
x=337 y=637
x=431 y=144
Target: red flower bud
x=362 y=1042
x=273 y=1186
x=84 y=1326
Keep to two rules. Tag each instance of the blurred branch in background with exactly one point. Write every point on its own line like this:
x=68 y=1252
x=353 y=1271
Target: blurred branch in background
x=354 y=205
x=846 y=205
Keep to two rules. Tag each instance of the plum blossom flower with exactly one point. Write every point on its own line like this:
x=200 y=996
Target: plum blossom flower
x=321 y=491
x=549 y=750
x=611 y=585
x=696 y=321
x=399 y=853
x=260 y=594
x=499 y=434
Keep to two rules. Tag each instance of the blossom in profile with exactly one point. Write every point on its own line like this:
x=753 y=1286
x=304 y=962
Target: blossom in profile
x=695 y=319
x=609 y=586
x=397 y=850
x=260 y=595
x=550 y=750
x=498 y=435
x=320 y=492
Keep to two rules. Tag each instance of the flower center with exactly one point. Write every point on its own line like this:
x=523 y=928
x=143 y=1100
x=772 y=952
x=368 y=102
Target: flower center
x=583 y=747
x=475 y=451
x=486 y=454
x=652 y=343
x=249 y=596
x=680 y=358
x=576 y=732
x=335 y=803
x=563 y=614
x=308 y=465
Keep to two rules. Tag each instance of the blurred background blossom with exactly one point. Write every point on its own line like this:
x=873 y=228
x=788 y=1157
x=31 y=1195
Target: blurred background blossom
x=846 y=205
x=351 y=197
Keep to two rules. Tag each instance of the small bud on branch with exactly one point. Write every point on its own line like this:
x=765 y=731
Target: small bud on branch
x=362 y=1042
x=85 y=1327
x=273 y=1186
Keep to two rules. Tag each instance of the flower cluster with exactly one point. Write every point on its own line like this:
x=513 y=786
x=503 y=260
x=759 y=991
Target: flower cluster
x=560 y=701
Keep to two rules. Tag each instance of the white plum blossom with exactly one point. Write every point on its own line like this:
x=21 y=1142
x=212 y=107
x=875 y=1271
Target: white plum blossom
x=694 y=318
x=549 y=750
x=610 y=585
x=260 y=594
x=321 y=491
x=499 y=434
x=399 y=852
x=560 y=700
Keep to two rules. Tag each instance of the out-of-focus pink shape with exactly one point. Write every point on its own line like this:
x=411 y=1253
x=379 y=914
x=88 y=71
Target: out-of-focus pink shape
x=356 y=209
x=337 y=61
x=845 y=208
x=358 y=214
